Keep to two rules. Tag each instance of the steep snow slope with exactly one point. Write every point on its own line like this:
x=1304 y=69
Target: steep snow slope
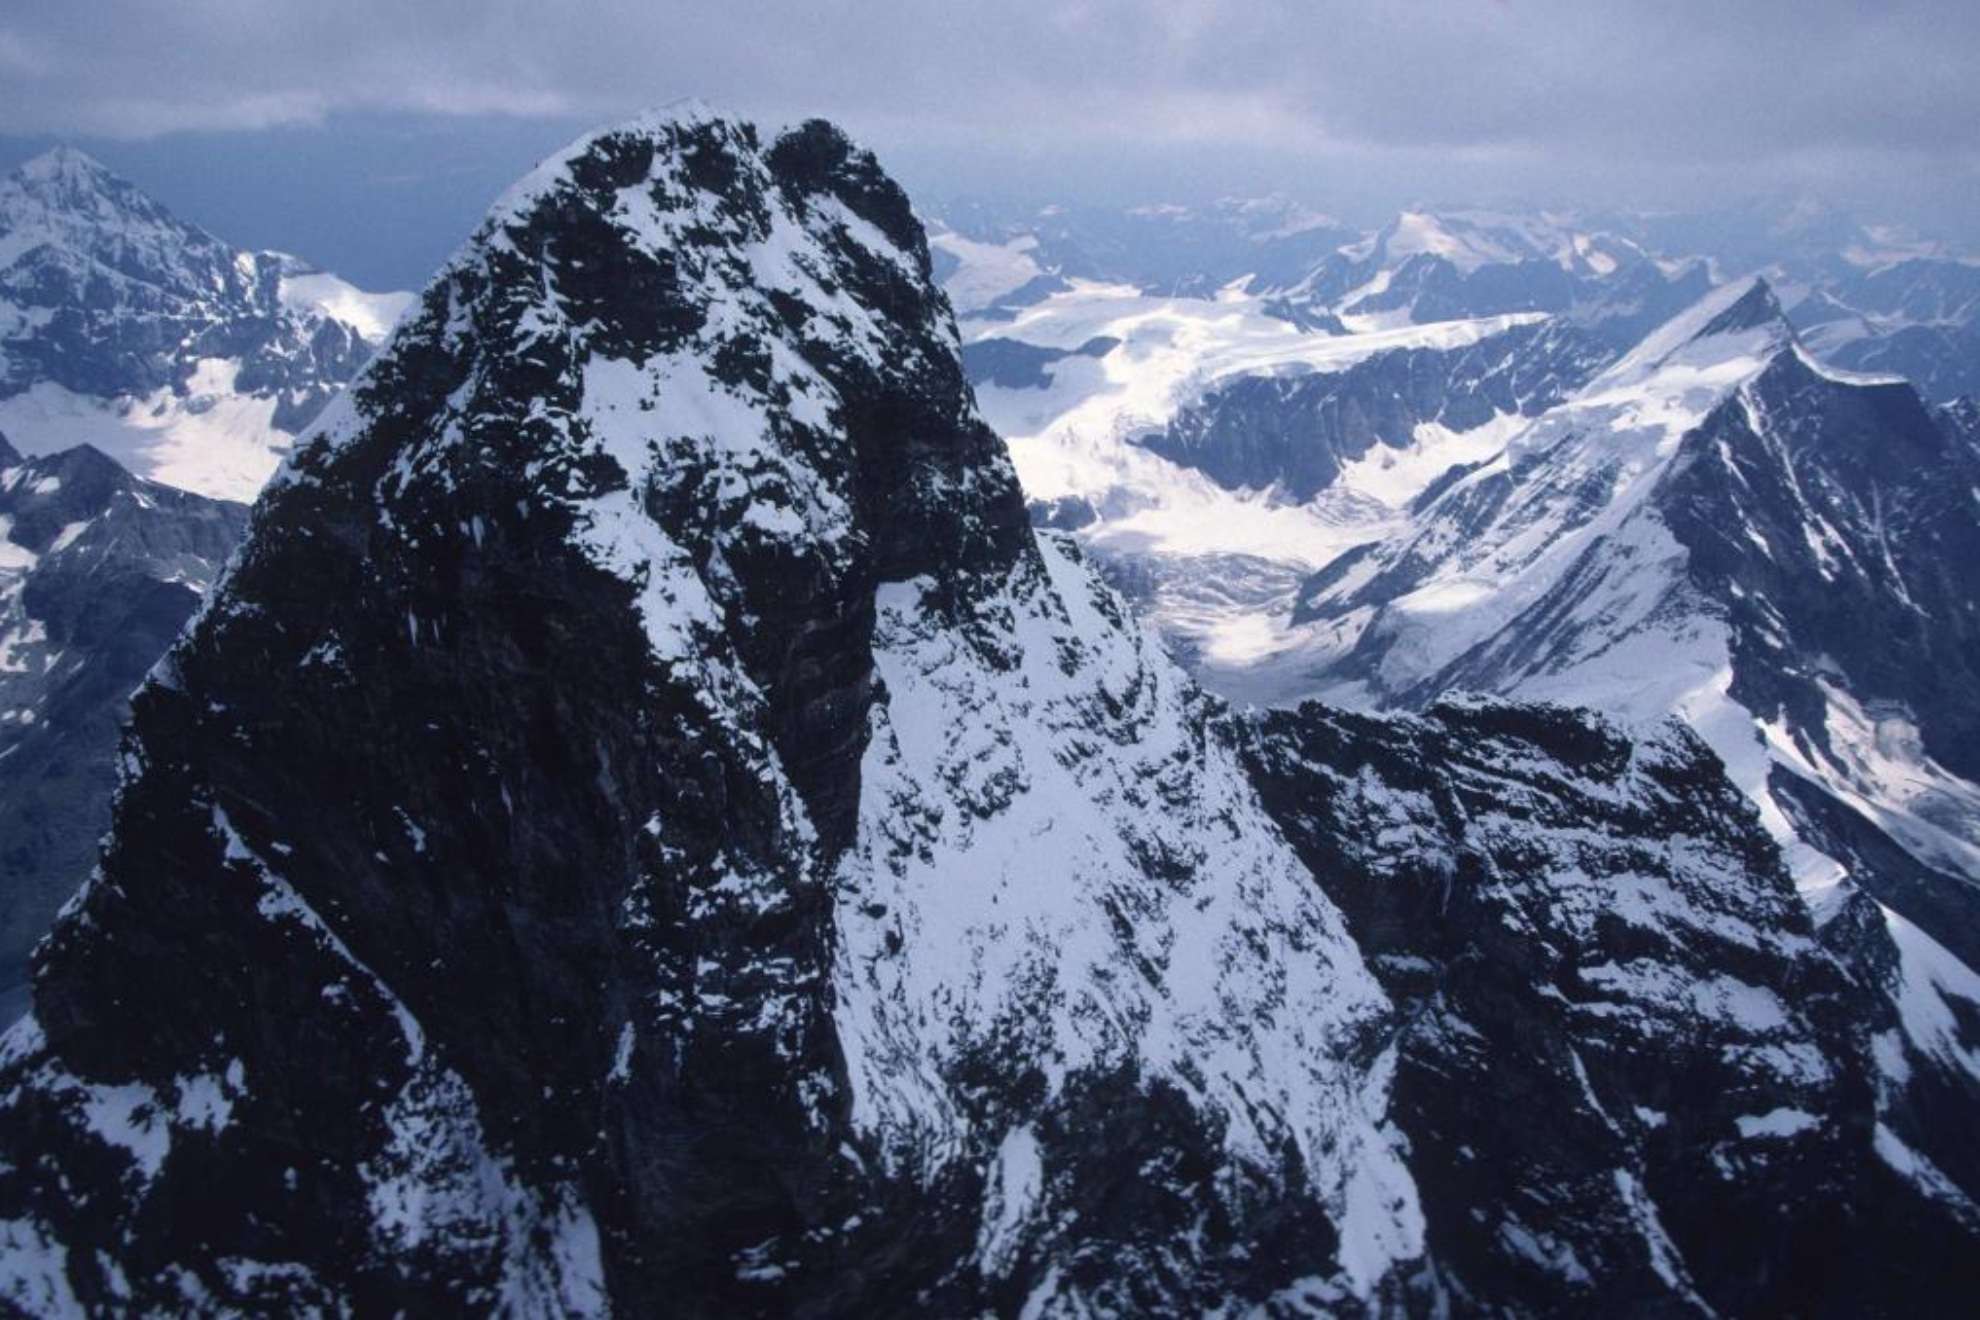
x=1504 y=536
x=190 y=361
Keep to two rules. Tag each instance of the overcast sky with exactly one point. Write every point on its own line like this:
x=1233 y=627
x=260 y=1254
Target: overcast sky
x=370 y=133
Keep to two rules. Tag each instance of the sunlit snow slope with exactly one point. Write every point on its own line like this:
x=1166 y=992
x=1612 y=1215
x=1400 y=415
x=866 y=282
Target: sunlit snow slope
x=1722 y=529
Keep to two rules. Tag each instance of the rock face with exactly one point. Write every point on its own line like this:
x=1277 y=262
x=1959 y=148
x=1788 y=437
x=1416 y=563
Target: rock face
x=1295 y=434
x=1834 y=519
x=1632 y=1074
x=644 y=825
x=98 y=572
x=187 y=356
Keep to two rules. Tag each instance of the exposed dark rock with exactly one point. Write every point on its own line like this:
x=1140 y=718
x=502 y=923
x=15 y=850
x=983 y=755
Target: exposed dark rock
x=1016 y=365
x=1533 y=889
x=1295 y=432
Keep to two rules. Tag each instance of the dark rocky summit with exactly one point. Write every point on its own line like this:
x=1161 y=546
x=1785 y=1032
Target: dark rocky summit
x=645 y=825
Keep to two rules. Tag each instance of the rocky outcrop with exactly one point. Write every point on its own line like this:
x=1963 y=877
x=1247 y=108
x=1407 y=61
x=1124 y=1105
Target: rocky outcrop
x=1630 y=1067
x=1294 y=433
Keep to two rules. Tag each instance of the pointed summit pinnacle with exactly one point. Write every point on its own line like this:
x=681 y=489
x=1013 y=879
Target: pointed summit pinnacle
x=1756 y=308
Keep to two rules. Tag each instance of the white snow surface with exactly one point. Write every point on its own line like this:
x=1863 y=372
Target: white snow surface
x=1074 y=439
x=985 y=272
x=1010 y=807
x=372 y=315
x=212 y=439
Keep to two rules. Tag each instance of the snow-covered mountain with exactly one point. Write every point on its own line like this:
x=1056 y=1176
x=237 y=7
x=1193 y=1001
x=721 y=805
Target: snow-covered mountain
x=1916 y=317
x=1722 y=528
x=580 y=726
x=189 y=360
x=645 y=825
x=1427 y=266
x=1424 y=265
x=1867 y=297
x=1214 y=438
x=98 y=572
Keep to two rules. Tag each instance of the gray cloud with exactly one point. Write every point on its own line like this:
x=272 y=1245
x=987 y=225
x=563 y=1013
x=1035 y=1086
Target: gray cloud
x=1658 y=98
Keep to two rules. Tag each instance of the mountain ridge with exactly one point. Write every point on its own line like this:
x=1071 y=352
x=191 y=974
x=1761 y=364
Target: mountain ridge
x=187 y=358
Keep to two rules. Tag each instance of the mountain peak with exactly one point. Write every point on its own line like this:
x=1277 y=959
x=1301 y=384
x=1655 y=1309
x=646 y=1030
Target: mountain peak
x=69 y=198
x=675 y=468
x=1754 y=308
x=669 y=128
x=1740 y=319
x=65 y=179
x=64 y=165
x=113 y=299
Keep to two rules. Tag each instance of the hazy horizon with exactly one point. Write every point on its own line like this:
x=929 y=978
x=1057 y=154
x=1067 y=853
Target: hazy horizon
x=370 y=138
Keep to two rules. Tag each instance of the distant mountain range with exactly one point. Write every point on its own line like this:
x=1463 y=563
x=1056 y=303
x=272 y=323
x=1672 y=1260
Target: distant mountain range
x=189 y=360
x=1867 y=297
